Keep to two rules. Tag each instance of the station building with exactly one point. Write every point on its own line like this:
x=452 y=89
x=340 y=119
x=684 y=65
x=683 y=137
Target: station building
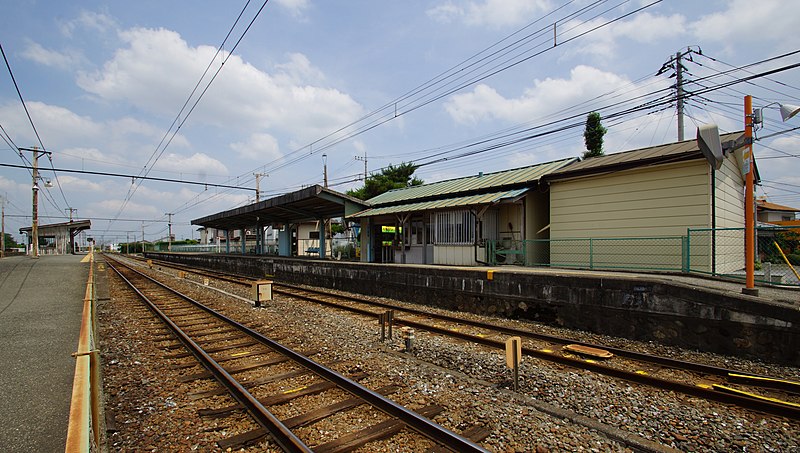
x=667 y=207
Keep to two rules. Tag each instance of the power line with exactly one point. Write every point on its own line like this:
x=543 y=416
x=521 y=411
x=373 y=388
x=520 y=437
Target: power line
x=33 y=126
x=428 y=93
x=151 y=178
x=90 y=218
x=208 y=85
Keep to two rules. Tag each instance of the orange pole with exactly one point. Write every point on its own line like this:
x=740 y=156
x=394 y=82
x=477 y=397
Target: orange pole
x=749 y=221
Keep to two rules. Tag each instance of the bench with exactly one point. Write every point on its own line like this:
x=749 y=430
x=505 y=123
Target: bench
x=312 y=251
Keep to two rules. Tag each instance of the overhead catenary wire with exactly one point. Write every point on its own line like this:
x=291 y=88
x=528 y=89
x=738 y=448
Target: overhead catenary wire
x=197 y=100
x=33 y=125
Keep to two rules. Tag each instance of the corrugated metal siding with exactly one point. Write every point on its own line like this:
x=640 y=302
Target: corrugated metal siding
x=730 y=214
x=471 y=183
x=660 y=201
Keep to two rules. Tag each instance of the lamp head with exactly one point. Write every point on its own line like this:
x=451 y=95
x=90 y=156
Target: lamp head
x=788 y=111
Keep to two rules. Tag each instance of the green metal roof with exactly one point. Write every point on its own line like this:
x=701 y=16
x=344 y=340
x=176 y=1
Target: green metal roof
x=478 y=183
x=445 y=203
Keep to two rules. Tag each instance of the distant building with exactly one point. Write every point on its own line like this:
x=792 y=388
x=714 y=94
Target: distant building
x=776 y=214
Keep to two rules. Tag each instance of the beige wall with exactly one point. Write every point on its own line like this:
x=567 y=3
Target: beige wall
x=730 y=214
x=651 y=202
x=455 y=255
x=656 y=201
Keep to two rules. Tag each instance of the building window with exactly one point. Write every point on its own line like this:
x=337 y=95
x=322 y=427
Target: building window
x=455 y=227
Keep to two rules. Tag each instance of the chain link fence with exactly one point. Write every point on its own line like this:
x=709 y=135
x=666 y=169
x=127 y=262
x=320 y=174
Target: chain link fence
x=716 y=252
x=665 y=253
x=720 y=252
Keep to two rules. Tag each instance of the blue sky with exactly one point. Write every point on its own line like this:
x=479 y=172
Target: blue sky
x=104 y=81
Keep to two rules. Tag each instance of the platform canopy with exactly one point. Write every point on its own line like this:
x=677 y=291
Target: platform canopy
x=62 y=234
x=309 y=204
x=54 y=229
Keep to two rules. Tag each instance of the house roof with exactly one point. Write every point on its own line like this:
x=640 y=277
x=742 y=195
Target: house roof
x=480 y=189
x=45 y=230
x=767 y=206
x=469 y=200
x=470 y=185
x=671 y=152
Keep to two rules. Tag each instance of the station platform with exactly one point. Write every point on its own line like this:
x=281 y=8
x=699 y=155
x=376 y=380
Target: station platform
x=41 y=301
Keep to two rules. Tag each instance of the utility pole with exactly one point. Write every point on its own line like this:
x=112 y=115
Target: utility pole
x=749 y=226
x=169 y=235
x=258 y=185
x=365 y=164
x=2 y=227
x=675 y=64
x=35 y=210
x=679 y=93
x=142 y=237
x=71 y=210
x=325 y=170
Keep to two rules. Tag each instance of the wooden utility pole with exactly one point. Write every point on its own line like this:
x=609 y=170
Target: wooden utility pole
x=2 y=227
x=35 y=210
x=35 y=222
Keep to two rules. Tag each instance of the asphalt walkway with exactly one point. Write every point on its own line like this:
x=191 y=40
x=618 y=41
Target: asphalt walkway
x=41 y=301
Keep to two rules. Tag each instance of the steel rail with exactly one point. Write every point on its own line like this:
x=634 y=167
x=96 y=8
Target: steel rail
x=282 y=435
x=692 y=390
x=640 y=356
x=415 y=421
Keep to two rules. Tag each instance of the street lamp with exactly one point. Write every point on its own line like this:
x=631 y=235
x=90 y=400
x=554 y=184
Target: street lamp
x=751 y=122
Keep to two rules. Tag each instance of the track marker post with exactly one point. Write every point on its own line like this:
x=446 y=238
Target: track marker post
x=514 y=357
x=261 y=291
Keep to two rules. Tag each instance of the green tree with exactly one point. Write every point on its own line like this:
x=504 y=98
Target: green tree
x=392 y=177
x=593 y=136
x=11 y=243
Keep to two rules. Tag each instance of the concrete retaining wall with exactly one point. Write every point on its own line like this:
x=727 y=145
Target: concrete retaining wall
x=630 y=307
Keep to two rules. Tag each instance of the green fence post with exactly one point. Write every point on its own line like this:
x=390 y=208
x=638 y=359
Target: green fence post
x=688 y=264
x=591 y=253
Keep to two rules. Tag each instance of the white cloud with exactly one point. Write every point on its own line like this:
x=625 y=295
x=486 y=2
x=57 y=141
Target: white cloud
x=124 y=140
x=261 y=147
x=299 y=69
x=157 y=68
x=749 y=23
x=644 y=28
x=493 y=13
x=196 y=164
x=79 y=185
x=51 y=58
x=89 y=20
x=295 y=7
x=546 y=96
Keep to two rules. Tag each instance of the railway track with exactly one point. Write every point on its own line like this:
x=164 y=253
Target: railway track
x=755 y=392
x=226 y=348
